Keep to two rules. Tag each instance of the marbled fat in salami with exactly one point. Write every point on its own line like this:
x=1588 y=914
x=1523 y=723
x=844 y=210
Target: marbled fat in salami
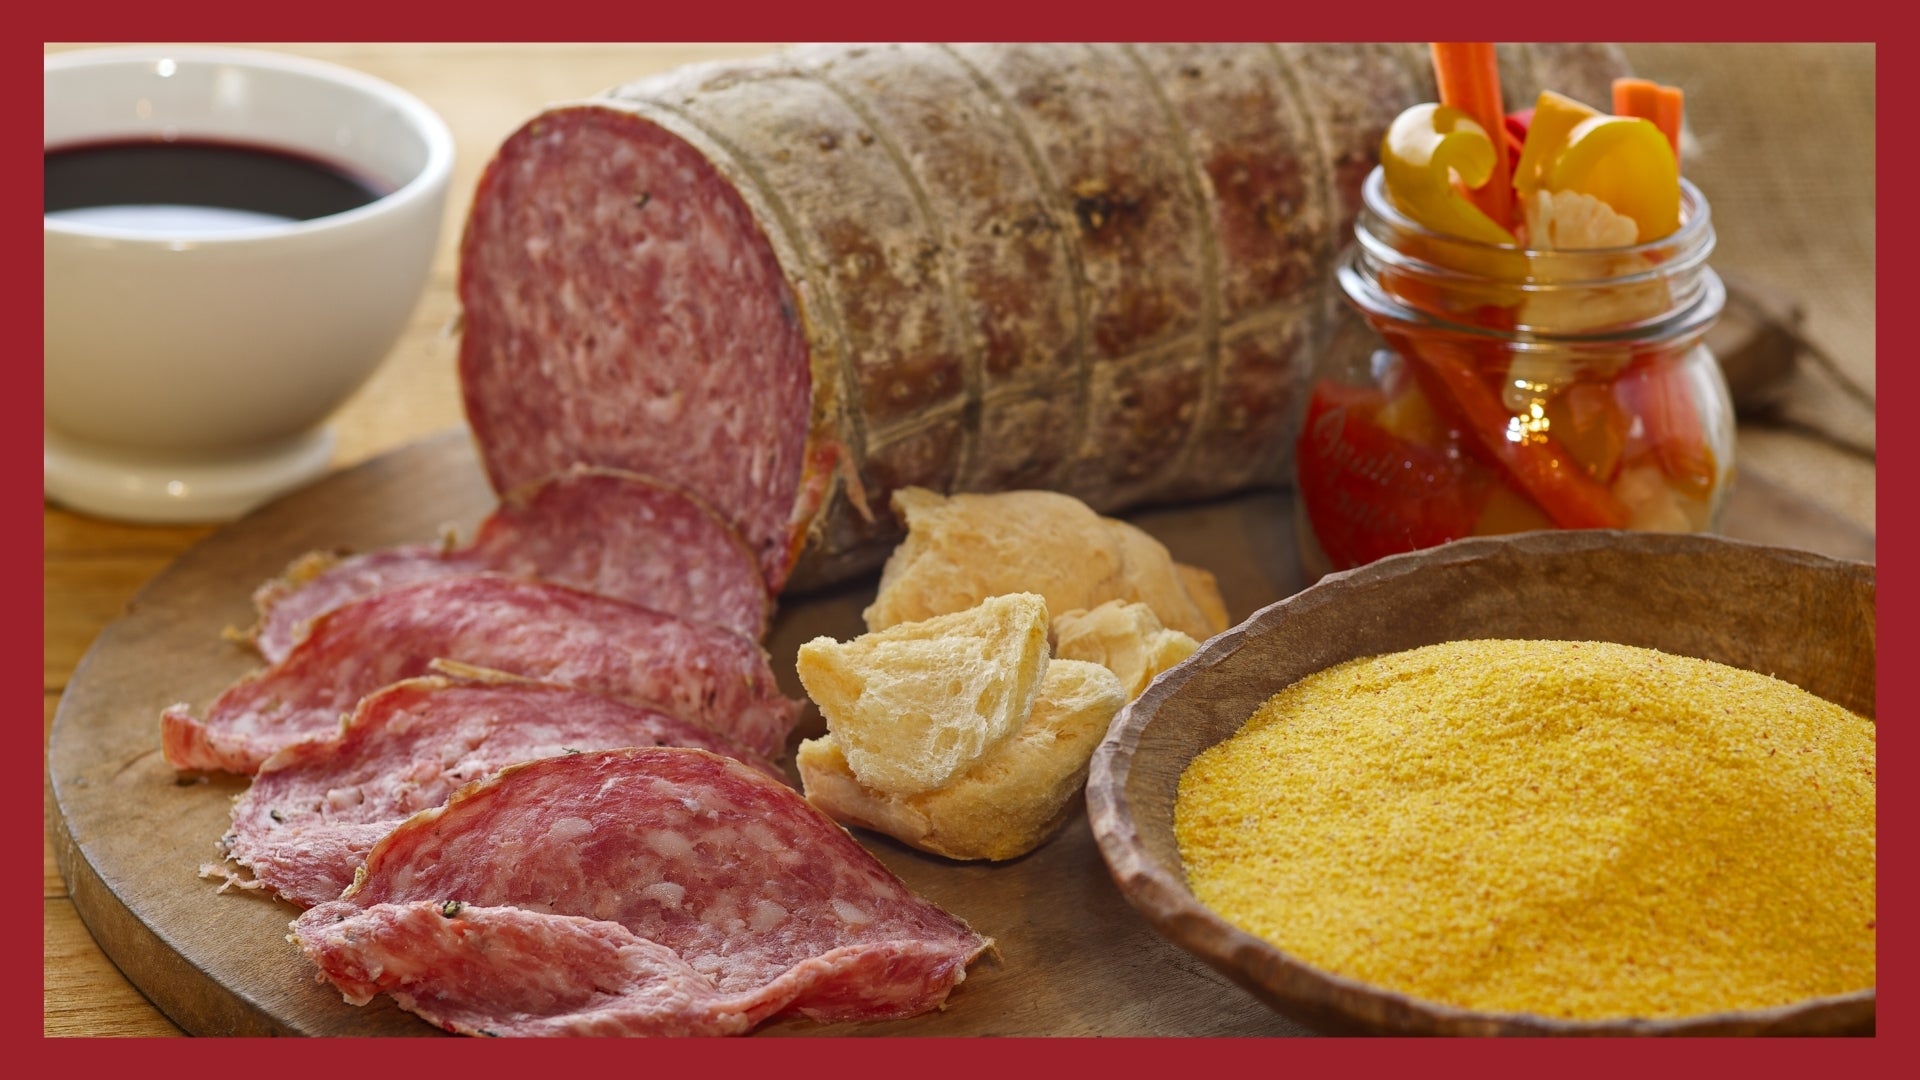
x=637 y=892
x=712 y=676
x=316 y=808
x=608 y=532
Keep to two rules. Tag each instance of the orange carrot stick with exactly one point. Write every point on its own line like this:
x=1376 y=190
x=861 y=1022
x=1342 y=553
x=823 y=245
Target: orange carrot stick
x=1468 y=74
x=1667 y=116
x=1634 y=97
x=1650 y=101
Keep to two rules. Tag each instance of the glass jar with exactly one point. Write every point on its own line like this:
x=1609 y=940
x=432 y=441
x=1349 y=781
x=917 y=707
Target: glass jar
x=1470 y=389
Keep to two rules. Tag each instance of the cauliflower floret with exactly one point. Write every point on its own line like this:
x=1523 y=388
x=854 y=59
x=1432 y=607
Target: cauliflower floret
x=1575 y=221
x=1653 y=505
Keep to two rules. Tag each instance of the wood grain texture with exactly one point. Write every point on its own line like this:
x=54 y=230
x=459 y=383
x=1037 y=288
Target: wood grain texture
x=84 y=990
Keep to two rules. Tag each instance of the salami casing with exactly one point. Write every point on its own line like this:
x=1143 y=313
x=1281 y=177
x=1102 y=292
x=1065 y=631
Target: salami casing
x=643 y=891
x=797 y=284
x=613 y=533
x=316 y=808
x=703 y=673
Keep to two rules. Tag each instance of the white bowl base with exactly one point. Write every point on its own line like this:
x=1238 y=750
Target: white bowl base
x=157 y=488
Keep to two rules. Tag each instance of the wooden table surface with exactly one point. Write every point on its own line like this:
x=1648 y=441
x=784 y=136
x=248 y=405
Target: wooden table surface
x=1795 y=225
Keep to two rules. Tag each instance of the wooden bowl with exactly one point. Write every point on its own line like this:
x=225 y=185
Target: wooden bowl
x=1801 y=617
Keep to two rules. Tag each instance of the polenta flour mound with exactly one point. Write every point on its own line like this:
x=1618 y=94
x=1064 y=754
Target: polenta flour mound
x=1577 y=830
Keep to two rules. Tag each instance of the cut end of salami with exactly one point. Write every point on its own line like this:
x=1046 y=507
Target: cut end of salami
x=621 y=307
x=635 y=891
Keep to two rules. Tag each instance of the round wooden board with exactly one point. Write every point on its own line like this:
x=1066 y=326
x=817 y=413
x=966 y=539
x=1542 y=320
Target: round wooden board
x=131 y=834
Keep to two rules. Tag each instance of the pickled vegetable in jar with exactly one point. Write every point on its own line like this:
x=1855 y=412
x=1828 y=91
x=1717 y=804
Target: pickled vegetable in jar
x=1476 y=387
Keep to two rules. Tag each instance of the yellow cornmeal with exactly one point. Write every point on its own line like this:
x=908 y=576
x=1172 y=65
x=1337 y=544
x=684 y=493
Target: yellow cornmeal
x=1575 y=830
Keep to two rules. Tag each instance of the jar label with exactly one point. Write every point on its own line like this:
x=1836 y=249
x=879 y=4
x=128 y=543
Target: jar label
x=1367 y=492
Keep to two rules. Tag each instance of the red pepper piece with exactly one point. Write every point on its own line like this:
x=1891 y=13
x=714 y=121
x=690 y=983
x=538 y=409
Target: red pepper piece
x=1368 y=493
x=1655 y=390
x=1516 y=132
x=1539 y=467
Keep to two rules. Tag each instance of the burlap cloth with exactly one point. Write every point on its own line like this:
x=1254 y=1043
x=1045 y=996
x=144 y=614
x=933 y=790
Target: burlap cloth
x=1782 y=144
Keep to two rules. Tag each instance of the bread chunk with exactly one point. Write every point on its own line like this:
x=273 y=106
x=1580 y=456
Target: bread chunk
x=1006 y=803
x=915 y=704
x=1126 y=639
x=962 y=549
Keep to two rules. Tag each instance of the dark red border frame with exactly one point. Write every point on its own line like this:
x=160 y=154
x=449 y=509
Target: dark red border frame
x=496 y=20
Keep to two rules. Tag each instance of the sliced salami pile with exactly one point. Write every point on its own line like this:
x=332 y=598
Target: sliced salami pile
x=604 y=531
x=316 y=808
x=633 y=892
x=540 y=630
x=632 y=860
x=799 y=283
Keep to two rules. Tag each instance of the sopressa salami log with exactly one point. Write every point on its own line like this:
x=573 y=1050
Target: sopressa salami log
x=703 y=673
x=633 y=892
x=608 y=532
x=797 y=284
x=316 y=808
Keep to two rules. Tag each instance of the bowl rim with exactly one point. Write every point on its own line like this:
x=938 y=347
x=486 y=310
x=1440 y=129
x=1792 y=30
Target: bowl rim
x=427 y=185
x=1162 y=897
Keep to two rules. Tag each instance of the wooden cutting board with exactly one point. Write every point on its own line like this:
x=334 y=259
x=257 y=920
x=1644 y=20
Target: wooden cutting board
x=130 y=834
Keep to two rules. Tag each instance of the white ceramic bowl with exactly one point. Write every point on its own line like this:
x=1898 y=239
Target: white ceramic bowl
x=188 y=373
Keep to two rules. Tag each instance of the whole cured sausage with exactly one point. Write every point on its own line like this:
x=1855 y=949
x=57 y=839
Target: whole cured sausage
x=653 y=891
x=539 y=630
x=316 y=808
x=797 y=284
x=608 y=532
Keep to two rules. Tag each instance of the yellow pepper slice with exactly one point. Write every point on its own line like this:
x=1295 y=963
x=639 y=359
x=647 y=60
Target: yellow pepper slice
x=1625 y=162
x=1425 y=148
x=1554 y=118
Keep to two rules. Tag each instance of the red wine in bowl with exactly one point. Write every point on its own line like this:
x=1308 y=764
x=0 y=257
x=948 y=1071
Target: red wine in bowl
x=196 y=186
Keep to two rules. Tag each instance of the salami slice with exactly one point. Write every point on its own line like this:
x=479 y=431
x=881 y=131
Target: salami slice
x=638 y=891
x=798 y=284
x=613 y=533
x=712 y=676
x=316 y=808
